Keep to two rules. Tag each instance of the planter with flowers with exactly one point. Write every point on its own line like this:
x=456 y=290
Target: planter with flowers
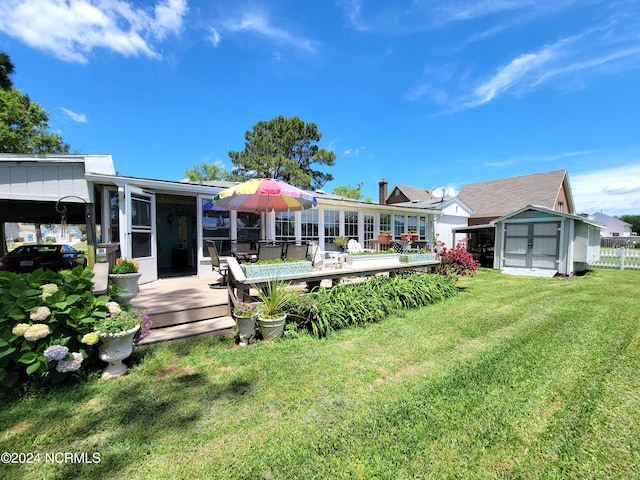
x=116 y=332
x=385 y=236
x=124 y=275
x=341 y=242
x=410 y=236
x=245 y=315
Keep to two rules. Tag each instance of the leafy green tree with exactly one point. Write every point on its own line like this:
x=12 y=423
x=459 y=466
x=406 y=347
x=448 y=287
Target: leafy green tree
x=24 y=124
x=283 y=148
x=634 y=220
x=206 y=171
x=6 y=70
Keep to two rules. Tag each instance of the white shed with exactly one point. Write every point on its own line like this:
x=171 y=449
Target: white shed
x=537 y=240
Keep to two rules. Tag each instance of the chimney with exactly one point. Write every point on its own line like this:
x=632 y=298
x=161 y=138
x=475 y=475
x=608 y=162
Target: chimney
x=382 y=192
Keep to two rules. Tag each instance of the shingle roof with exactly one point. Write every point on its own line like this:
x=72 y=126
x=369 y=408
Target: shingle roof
x=496 y=198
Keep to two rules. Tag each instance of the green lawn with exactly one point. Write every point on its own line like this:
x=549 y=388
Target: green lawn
x=513 y=378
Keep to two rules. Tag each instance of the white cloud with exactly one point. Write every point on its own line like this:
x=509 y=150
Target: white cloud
x=76 y=117
x=70 y=30
x=259 y=23
x=614 y=191
x=353 y=151
x=214 y=37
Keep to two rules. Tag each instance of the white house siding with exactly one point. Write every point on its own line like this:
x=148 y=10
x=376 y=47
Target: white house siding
x=453 y=215
x=40 y=182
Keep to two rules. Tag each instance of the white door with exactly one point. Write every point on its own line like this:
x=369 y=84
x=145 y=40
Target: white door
x=140 y=242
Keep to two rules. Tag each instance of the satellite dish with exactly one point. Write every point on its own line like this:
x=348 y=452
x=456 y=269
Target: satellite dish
x=442 y=192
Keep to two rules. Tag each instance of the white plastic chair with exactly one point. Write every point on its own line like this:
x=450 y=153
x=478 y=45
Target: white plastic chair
x=319 y=256
x=353 y=246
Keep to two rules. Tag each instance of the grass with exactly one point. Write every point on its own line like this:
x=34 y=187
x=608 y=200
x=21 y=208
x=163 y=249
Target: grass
x=513 y=378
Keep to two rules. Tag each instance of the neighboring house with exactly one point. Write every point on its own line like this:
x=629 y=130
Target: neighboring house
x=611 y=226
x=541 y=241
x=452 y=211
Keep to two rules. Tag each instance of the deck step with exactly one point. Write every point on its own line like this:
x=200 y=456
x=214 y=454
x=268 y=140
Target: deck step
x=203 y=328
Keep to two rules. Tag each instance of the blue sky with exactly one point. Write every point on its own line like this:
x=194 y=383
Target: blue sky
x=423 y=93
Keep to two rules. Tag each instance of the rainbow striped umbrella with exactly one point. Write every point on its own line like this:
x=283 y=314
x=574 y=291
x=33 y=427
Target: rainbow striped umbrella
x=264 y=195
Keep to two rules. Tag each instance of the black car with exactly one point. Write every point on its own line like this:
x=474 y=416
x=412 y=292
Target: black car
x=52 y=256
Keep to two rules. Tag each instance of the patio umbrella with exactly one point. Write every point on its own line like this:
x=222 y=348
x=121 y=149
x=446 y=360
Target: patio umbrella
x=264 y=195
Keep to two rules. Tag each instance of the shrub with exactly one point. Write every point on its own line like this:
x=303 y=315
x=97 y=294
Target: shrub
x=43 y=315
x=456 y=261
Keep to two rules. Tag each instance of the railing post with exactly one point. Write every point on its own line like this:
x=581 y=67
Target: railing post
x=621 y=257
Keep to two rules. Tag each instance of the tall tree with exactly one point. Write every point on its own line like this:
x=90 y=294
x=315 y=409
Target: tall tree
x=24 y=124
x=283 y=148
x=6 y=70
x=206 y=171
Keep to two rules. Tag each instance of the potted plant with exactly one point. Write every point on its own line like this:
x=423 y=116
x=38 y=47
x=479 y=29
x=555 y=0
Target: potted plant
x=385 y=236
x=411 y=235
x=341 y=242
x=245 y=315
x=274 y=296
x=124 y=275
x=116 y=332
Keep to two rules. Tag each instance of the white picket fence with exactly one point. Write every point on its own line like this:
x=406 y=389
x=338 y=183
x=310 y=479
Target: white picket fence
x=619 y=258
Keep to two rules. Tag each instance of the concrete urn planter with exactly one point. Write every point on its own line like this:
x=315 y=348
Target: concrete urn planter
x=114 y=348
x=128 y=283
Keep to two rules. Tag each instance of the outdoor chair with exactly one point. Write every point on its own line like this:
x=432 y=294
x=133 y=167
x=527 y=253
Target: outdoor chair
x=397 y=246
x=319 y=258
x=298 y=252
x=218 y=263
x=242 y=251
x=353 y=246
x=269 y=252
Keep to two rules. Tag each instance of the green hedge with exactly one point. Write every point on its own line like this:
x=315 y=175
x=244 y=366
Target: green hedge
x=325 y=310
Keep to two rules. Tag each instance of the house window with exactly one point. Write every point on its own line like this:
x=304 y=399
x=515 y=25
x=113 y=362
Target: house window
x=215 y=227
x=248 y=226
x=351 y=224
x=398 y=225
x=285 y=226
x=560 y=206
x=331 y=227
x=385 y=222
x=412 y=223
x=309 y=225
x=368 y=228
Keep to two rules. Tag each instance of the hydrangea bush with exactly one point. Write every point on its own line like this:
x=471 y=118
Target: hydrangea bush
x=46 y=324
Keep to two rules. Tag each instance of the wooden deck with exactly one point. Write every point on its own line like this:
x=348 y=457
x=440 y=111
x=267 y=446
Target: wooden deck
x=183 y=307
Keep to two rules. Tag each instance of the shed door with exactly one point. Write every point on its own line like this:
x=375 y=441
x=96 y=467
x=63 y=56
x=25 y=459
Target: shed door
x=532 y=245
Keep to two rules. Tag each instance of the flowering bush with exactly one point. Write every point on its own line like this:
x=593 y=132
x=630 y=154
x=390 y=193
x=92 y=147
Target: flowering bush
x=125 y=266
x=44 y=319
x=456 y=261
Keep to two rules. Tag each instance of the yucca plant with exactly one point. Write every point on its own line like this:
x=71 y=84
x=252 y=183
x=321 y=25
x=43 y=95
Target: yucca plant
x=274 y=295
